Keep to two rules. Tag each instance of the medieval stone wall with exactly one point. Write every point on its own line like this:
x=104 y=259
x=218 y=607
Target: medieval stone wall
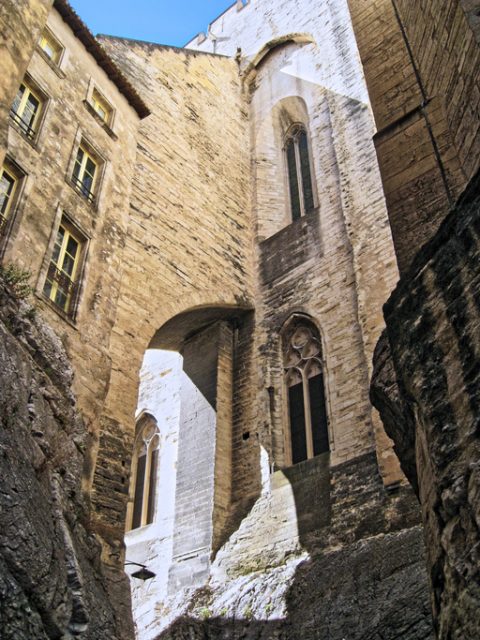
x=421 y=65
x=47 y=197
x=310 y=73
x=160 y=389
x=425 y=103
x=192 y=233
x=432 y=327
x=52 y=583
x=189 y=244
x=21 y=23
x=305 y=560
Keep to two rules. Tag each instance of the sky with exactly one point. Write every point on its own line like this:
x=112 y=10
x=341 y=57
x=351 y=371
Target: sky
x=173 y=22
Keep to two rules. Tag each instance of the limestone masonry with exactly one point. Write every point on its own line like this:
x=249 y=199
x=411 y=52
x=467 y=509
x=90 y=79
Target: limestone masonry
x=188 y=445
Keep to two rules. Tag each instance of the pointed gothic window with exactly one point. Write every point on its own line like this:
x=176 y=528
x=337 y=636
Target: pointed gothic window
x=145 y=472
x=303 y=366
x=299 y=175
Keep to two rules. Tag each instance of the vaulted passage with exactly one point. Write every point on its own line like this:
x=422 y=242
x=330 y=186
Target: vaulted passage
x=181 y=473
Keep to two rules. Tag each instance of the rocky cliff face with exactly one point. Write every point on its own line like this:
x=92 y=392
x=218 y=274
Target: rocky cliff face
x=429 y=398
x=372 y=589
x=52 y=583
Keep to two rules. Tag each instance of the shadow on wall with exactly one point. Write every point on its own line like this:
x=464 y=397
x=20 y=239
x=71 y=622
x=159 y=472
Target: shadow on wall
x=365 y=578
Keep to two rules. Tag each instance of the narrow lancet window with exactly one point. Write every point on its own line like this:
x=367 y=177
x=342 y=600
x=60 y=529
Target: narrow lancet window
x=299 y=172
x=145 y=473
x=307 y=413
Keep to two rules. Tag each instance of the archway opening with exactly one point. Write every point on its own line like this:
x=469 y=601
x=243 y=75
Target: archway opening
x=181 y=474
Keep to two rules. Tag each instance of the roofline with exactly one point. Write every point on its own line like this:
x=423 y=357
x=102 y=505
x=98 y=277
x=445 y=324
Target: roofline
x=157 y=45
x=86 y=37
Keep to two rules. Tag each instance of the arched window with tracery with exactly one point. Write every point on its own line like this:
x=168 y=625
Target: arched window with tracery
x=299 y=173
x=145 y=471
x=307 y=412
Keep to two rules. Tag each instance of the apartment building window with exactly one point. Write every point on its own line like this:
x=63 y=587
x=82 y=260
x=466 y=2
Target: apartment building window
x=85 y=173
x=145 y=471
x=26 y=109
x=299 y=173
x=8 y=185
x=304 y=379
x=101 y=107
x=62 y=281
x=50 y=47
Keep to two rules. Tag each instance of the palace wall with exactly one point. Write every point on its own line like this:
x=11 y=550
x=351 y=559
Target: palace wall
x=20 y=22
x=189 y=245
x=421 y=66
x=425 y=94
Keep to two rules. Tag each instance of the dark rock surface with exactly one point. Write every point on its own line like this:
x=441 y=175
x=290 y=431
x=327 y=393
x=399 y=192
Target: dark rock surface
x=52 y=583
x=433 y=325
x=372 y=590
x=396 y=413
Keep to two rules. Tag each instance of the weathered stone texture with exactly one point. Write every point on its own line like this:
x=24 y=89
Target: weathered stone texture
x=396 y=414
x=432 y=324
x=324 y=264
x=289 y=572
x=193 y=228
x=46 y=194
x=363 y=592
x=51 y=581
x=21 y=22
x=421 y=66
x=190 y=236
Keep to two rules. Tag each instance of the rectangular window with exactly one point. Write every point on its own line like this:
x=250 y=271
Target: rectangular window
x=85 y=172
x=50 y=47
x=101 y=106
x=26 y=109
x=8 y=185
x=61 y=284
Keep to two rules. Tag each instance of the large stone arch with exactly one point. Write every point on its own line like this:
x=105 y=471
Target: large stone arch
x=171 y=326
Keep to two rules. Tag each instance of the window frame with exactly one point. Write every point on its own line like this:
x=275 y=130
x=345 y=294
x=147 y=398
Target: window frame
x=55 y=271
x=303 y=371
x=98 y=101
x=147 y=512
x=293 y=136
x=90 y=194
x=58 y=49
x=29 y=130
x=5 y=214
x=11 y=212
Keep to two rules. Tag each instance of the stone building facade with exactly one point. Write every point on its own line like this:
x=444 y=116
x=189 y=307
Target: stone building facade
x=425 y=381
x=223 y=203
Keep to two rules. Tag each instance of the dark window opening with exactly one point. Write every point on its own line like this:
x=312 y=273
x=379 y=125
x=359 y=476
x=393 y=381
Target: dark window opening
x=307 y=412
x=299 y=173
x=139 y=485
x=145 y=467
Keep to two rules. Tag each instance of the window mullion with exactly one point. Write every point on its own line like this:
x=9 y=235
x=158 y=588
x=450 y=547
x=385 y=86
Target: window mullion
x=23 y=103
x=83 y=166
x=308 y=415
x=299 y=176
x=63 y=250
x=146 y=484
